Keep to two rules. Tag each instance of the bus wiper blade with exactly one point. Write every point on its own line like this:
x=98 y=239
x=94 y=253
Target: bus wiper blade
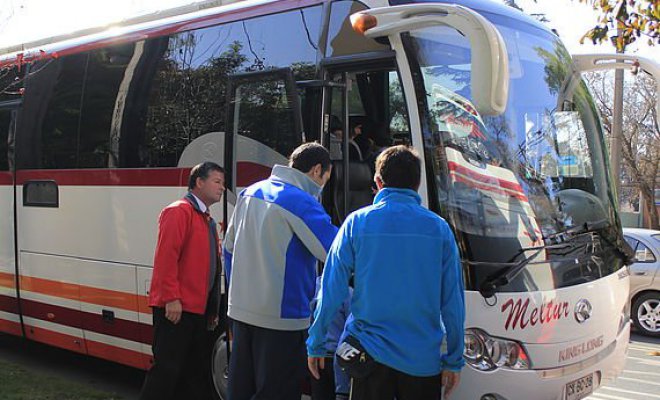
x=512 y=269
x=489 y=287
x=621 y=248
x=587 y=227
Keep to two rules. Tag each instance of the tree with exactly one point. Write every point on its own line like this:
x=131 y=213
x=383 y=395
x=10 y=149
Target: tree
x=635 y=18
x=641 y=135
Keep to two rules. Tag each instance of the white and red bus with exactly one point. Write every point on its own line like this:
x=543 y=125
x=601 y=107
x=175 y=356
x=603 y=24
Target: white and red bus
x=98 y=132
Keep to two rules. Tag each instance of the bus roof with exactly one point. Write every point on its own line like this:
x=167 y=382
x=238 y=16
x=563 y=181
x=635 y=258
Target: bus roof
x=143 y=27
x=154 y=25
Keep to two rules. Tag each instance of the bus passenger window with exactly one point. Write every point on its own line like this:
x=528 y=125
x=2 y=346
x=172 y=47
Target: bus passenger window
x=59 y=131
x=266 y=115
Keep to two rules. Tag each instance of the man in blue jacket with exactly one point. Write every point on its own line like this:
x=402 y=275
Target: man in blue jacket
x=408 y=292
x=277 y=233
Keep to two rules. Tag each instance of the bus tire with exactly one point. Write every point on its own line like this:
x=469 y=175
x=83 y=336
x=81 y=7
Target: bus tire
x=220 y=368
x=645 y=315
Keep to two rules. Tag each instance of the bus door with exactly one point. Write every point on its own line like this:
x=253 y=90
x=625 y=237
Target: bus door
x=364 y=112
x=9 y=312
x=264 y=125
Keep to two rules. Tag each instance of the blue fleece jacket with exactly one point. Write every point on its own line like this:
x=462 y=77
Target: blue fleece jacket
x=408 y=286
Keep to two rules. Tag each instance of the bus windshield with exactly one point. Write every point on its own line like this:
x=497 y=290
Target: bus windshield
x=514 y=181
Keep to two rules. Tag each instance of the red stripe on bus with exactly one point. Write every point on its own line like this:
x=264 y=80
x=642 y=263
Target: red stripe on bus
x=121 y=328
x=108 y=177
x=10 y=327
x=57 y=339
x=80 y=345
x=119 y=355
x=8 y=304
x=247 y=173
x=492 y=180
x=7 y=280
x=172 y=28
x=87 y=294
x=6 y=178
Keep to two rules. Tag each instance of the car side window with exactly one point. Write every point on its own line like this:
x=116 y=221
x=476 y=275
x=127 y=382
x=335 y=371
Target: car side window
x=632 y=242
x=644 y=254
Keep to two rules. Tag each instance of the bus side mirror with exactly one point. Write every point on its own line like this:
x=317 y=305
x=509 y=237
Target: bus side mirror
x=490 y=63
x=602 y=62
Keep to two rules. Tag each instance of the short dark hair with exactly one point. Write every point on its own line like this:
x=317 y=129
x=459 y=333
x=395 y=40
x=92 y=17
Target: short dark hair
x=307 y=155
x=399 y=167
x=202 y=171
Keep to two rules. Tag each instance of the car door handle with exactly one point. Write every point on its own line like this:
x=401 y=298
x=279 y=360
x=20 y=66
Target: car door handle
x=640 y=273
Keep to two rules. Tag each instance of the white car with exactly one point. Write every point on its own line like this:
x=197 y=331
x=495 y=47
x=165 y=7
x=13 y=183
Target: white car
x=645 y=280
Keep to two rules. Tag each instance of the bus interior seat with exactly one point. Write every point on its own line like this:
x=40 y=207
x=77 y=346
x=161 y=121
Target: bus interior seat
x=359 y=191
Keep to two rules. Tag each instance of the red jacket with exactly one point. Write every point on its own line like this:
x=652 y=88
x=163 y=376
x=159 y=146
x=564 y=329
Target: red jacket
x=182 y=260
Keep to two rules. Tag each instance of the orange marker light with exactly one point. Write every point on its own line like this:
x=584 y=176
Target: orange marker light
x=363 y=22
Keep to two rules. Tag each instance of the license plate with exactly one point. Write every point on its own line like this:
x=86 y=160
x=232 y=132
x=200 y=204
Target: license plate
x=580 y=388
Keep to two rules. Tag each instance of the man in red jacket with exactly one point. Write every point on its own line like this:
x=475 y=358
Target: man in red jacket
x=185 y=292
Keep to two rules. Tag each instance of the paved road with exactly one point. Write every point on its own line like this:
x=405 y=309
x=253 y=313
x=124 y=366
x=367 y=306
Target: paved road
x=641 y=376
x=640 y=380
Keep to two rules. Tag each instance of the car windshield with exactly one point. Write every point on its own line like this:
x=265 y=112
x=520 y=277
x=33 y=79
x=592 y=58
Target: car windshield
x=514 y=181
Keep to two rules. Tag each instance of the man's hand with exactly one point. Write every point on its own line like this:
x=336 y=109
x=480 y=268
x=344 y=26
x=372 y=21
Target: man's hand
x=173 y=311
x=314 y=364
x=450 y=380
x=212 y=322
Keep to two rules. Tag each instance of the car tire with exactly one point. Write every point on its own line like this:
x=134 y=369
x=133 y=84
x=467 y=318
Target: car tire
x=645 y=314
x=220 y=368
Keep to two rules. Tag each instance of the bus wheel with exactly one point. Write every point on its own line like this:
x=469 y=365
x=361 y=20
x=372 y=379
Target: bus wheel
x=220 y=367
x=646 y=314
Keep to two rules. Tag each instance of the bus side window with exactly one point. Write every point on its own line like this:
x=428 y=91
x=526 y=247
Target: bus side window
x=50 y=125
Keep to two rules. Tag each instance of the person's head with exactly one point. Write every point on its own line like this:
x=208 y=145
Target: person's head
x=398 y=167
x=356 y=129
x=207 y=182
x=313 y=160
x=336 y=127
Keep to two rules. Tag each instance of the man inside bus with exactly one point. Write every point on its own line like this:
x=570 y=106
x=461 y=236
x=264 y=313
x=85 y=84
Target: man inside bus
x=407 y=294
x=184 y=292
x=277 y=233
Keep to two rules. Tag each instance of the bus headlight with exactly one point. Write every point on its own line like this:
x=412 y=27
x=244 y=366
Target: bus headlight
x=487 y=353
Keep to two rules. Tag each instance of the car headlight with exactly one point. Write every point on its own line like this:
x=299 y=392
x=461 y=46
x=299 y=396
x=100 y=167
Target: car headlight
x=487 y=353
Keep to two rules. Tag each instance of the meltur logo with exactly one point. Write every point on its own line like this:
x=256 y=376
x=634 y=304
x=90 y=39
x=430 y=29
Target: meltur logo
x=582 y=311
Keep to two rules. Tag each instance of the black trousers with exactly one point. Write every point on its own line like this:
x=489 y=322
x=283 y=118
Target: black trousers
x=324 y=388
x=385 y=383
x=266 y=364
x=182 y=359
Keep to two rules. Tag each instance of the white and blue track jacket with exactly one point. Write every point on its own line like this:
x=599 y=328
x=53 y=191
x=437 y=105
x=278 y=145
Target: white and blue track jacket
x=277 y=232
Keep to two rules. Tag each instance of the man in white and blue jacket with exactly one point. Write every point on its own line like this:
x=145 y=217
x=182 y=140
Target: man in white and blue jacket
x=408 y=289
x=277 y=233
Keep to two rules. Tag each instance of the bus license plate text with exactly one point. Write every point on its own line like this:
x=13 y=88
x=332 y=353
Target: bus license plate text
x=580 y=388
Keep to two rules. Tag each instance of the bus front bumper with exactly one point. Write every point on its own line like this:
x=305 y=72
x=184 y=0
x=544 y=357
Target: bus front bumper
x=546 y=384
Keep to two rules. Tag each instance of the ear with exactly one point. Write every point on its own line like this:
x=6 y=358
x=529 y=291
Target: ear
x=379 y=182
x=317 y=170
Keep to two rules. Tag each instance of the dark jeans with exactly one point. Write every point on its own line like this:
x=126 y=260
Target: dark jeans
x=182 y=359
x=266 y=363
x=385 y=383
x=324 y=388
